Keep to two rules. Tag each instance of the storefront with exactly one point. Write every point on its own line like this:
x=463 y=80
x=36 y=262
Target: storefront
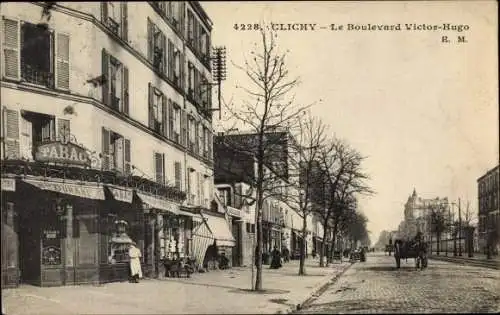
x=64 y=225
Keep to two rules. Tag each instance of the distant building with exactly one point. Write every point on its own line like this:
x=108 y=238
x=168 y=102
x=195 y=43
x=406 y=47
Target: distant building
x=488 y=213
x=416 y=215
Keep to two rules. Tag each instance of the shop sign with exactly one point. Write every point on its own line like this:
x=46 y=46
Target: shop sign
x=67 y=153
x=233 y=212
x=8 y=184
x=90 y=192
x=124 y=195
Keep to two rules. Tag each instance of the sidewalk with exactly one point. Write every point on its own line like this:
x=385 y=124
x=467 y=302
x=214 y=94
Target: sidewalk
x=478 y=259
x=215 y=292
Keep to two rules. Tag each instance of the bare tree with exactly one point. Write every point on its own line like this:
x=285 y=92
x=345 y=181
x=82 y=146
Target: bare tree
x=268 y=108
x=438 y=222
x=344 y=178
x=304 y=157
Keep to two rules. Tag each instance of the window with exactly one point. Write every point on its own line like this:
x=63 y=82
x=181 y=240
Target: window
x=191 y=82
x=191 y=25
x=34 y=54
x=115 y=152
x=200 y=139
x=157 y=111
x=160 y=168
x=205 y=142
x=177 y=67
x=225 y=194
x=157 y=43
x=114 y=15
x=115 y=86
x=37 y=129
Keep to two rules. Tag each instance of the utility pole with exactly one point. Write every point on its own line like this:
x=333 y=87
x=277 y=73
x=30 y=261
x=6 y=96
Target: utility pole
x=459 y=229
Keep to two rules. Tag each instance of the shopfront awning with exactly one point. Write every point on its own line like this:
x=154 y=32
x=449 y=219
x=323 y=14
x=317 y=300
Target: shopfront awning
x=189 y=214
x=69 y=188
x=121 y=193
x=160 y=204
x=220 y=230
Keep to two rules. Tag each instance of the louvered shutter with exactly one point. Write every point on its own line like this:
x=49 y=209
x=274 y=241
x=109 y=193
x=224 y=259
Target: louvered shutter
x=11 y=49
x=106 y=158
x=106 y=91
x=177 y=171
x=182 y=74
x=12 y=149
x=63 y=129
x=128 y=161
x=150 y=35
x=184 y=139
x=104 y=12
x=159 y=168
x=164 y=111
x=196 y=136
x=170 y=120
x=182 y=15
x=62 y=61
x=125 y=91
x=150 y=106
x=171 y=61
x=210 y=142
x=124 y=27
x=163 y=45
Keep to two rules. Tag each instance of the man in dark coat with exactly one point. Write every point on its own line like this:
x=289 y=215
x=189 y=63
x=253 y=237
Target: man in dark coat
x=276 y=258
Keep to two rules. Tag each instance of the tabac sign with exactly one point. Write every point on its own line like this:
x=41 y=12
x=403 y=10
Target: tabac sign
x=65 y=153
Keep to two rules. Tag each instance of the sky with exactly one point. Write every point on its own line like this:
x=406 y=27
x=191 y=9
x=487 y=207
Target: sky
x=423 y=112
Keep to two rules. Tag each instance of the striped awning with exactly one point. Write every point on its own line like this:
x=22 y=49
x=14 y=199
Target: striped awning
x=202 y=239
x=220 y=230
x=160 y=204
x=83 y=190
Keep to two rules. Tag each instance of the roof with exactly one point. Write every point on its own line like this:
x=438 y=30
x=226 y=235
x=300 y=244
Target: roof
x=488 y=173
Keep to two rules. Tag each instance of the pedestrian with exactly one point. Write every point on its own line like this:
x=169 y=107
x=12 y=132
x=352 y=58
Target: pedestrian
x=135 y=262
x=275 y=258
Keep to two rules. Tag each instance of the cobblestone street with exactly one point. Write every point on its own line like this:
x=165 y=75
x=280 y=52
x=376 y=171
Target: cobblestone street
x=378 y=287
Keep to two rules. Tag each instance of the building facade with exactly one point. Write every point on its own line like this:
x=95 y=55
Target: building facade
x=417 y=216
x=488 y=211
x=236 y=168
x=106 y=126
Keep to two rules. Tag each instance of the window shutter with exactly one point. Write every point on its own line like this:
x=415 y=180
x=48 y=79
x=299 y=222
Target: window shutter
x=184 y=139
x=170 y=120
x=106 y=91
x=63 y=129
x=128 y=163
x=62 y=61
x=182 y=13
x=159 y=168
x=12 y=149
x=163 y=45
x=104 y=11
x=182 y=71
x=124 y=27
x=177 y=171
x=150 y=40
x=170 y=60
x=11 y=48
x=210 y=142
x=198 y=187
x=105 y=163
x=196 y=137
x=164 y=111
x=150 y=106
x=125 y=90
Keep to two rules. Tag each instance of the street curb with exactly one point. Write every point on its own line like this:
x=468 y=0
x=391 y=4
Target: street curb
x=467 y=261
x=317 y=290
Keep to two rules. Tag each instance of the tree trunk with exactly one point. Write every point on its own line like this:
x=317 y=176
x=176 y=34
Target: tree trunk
x=334 y=239
x=322 y=253
x=438 y=245
x=302 y=270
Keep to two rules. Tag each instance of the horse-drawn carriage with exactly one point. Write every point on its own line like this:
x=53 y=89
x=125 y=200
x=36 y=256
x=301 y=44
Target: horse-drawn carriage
x=411 y=249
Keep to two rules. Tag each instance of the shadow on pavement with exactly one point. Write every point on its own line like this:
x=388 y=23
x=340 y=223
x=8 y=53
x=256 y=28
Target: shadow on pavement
x=389 y=268
x=263 y=291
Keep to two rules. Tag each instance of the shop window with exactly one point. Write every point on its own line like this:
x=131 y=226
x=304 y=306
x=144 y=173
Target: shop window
x=115 y=152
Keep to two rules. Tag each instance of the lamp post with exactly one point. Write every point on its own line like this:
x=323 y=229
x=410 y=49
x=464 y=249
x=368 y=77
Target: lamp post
x=459 y=229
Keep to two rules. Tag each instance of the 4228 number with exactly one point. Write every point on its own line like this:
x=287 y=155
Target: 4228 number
x=246 y=27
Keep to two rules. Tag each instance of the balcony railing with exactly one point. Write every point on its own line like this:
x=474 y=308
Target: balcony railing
x=38 y=77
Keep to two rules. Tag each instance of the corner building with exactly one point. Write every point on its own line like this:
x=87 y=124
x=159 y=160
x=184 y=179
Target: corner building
x=106 y=137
